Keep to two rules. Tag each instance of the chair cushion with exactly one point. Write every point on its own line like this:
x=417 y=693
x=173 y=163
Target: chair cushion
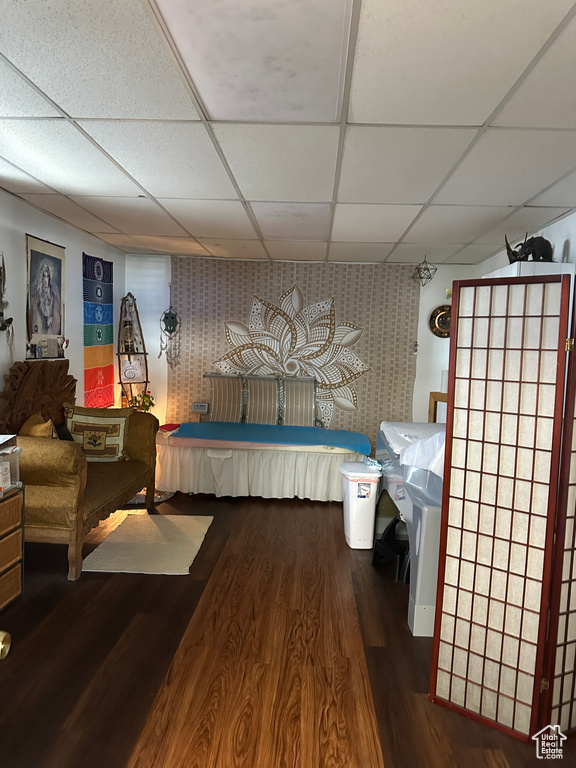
x=37 y=426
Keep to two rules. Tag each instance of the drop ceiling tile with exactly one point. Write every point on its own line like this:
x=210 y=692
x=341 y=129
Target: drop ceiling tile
x=211 y=218
x=17 y=181
x=178 y=246
x=509 y=167
x=234 y=249
x=398 y=165
x=546 y=97
x=472 y=254
x=367 y=253
x=410 y=68
x=527 y=219
x=169 y=159
x=69 y=211
x=60 y=156
x=124 y=243
x=561 y=193
x=284 y=250
x=95 y=59
x=441 y=224
x=372 y=223
x=132 y=215
x=296 y=81
x=281 y=162
x=414 y=253
x=19 y=99
x=293 y=221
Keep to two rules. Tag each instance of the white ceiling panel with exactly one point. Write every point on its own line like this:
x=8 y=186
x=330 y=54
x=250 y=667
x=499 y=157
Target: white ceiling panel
x=300 y=81
x=116 y=65
x=293 y=221
x=442 y=63
x=57 y=154
x=243 y=130
x=472 y=254
x=17 y=181
x=509 y=167
x=69 y=211
x=181 y=246
x=561 y=193
x=398 y=165
x=126 y=243
x=211 y=218
x=18 y=98
x=414 y=253
x=281 y=162
x=372 y=223
x=132 y=215
x=540 y=101
x=359 y=252
x=168 y=159
x=284 y=250
x=519 y=223
x=442 y=224
x=234 y=249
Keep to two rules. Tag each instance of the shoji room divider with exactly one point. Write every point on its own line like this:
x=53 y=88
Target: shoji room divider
x=505 y=628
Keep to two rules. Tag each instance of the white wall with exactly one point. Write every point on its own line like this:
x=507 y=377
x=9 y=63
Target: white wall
x=148 y=279
x=433 y=352
x=17 y=219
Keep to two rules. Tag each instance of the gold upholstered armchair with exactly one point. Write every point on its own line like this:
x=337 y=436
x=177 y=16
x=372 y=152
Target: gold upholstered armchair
x=107 y=456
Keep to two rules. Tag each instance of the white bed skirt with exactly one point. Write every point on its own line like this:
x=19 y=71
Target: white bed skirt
x=270 y=474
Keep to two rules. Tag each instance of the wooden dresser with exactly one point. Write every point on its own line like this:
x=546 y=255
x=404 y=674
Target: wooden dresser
x=11 y=530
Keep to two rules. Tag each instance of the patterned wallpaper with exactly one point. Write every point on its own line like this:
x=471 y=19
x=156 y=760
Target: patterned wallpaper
x=374 y=307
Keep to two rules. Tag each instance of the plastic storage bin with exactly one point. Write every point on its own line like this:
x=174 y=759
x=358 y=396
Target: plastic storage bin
x=360 y=487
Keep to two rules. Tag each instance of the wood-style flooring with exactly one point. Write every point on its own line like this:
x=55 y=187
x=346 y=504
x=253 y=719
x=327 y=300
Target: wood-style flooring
x=283 y=647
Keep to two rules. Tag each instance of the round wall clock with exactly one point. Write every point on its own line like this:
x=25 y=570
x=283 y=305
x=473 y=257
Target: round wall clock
x=440 y=321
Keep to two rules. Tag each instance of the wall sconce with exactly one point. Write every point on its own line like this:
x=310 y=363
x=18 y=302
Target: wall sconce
x=424 y=272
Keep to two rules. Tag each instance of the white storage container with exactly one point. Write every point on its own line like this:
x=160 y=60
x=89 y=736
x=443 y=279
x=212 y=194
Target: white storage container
x=360 y=487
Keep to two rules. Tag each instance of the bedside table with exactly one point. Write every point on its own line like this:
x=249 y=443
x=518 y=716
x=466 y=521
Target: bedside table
x=11 y=546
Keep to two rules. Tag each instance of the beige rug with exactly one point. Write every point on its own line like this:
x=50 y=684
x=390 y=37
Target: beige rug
x=150 y=544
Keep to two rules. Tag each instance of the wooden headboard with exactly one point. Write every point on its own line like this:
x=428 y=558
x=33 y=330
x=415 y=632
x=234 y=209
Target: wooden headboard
x=35 y=386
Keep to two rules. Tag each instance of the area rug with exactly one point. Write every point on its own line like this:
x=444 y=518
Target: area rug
x=162 y=544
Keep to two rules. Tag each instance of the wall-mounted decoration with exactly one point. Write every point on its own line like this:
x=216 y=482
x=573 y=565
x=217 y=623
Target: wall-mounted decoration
x=98 y=332
x=45 y=304
x=295 y=339
x=132 y=356
x=170 y=334
x=6 y=322
x=439 y=321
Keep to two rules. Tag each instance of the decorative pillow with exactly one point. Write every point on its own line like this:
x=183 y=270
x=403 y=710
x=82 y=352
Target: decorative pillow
x=37 y=426
x=100 y=431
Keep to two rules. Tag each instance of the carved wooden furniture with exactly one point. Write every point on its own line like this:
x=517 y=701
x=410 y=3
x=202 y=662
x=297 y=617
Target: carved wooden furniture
x=66 y=495
x=11 y=520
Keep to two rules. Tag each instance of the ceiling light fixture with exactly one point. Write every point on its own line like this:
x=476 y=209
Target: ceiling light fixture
x=424 y=272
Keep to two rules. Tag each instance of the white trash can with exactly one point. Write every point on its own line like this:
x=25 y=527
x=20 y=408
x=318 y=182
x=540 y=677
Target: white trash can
x=360 y=487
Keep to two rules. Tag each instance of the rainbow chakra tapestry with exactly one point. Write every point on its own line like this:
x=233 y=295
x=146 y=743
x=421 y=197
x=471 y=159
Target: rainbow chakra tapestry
x=98 y=332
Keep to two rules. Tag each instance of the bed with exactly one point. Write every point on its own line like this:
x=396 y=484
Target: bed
x=272 y=448
x=271 y=461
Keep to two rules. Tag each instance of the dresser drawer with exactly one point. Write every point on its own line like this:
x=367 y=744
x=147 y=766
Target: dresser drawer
x=10 y=513
x=10 y=584
x=10 y=549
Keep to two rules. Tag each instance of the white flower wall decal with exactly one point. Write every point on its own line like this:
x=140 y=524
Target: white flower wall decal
x=297 y=340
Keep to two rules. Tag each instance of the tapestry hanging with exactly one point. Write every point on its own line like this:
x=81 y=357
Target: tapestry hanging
x=45 y=299
x=98 y=332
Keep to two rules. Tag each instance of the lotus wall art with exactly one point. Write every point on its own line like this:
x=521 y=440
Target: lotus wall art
x=298 y=339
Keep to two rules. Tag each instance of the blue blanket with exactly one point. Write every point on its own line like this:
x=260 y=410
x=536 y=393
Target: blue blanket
x=271 y=433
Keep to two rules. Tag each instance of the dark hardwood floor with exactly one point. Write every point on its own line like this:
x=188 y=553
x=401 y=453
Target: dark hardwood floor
x=263 y=657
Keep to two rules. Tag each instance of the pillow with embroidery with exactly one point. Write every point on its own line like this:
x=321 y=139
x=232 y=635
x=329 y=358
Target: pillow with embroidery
x=100 y=431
